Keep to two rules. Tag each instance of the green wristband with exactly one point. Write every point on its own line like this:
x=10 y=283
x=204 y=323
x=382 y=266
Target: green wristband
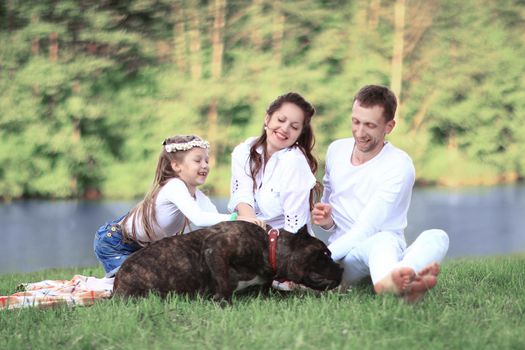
x=233 y=217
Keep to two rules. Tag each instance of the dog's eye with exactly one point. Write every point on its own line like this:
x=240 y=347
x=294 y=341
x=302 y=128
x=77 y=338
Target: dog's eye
x=324 y=255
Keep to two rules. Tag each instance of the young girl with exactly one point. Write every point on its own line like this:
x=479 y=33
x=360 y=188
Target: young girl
x=166 y=209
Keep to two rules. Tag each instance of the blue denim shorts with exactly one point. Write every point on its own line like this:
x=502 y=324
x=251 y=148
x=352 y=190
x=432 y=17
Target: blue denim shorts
x=110 y=248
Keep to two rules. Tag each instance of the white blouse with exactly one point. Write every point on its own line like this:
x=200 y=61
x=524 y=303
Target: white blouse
x=282 y=191
x=174 y=202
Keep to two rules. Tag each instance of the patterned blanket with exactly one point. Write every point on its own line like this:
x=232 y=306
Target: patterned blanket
x=80 y=290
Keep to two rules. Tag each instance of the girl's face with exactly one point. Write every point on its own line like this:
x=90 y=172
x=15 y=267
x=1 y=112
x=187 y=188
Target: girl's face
x=193 y=169
x=284 y=127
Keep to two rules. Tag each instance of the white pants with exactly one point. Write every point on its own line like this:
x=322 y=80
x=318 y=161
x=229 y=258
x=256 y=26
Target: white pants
x=384 y=251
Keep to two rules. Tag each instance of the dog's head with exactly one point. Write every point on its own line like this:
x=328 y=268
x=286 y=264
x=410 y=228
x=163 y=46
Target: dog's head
x=310 y=262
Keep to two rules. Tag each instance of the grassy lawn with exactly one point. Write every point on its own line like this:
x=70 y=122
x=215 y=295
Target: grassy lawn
x=479 y=303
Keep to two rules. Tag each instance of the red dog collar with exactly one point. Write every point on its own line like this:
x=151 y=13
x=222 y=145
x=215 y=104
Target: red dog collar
x=273 y=234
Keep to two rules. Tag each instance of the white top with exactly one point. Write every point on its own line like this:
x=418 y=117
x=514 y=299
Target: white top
x=282 y=192
x=174 y=202
x=367 y=198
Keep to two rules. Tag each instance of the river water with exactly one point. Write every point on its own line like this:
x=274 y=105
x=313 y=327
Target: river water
x=45 y=234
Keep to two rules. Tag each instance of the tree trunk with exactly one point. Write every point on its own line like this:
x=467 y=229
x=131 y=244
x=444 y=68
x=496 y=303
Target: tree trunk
x=179 y=35
x=278 y=31
x=397 y=56
x=373 y=18
x=195 y=42
x=35 y=42
x=75 y=137
x=256 y=14
x=219 y=14
x=53 y=47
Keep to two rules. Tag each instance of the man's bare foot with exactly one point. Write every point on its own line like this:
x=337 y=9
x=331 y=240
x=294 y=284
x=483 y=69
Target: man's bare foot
x=425 y=280
x=396 y=282
x=431 y=269
x=404 y=282
x=417 y=289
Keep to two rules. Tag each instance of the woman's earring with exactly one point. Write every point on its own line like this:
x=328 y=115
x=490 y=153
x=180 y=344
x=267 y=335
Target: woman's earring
x=265 y=127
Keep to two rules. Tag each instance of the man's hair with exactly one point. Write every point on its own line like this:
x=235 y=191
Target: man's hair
x=376 y=95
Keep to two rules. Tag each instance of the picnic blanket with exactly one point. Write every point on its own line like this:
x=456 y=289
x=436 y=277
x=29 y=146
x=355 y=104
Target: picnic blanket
x=80 y=290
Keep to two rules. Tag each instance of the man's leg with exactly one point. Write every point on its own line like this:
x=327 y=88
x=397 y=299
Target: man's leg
x=427 y=251
x=374 y=257
x=383 y=261
x=424 y=256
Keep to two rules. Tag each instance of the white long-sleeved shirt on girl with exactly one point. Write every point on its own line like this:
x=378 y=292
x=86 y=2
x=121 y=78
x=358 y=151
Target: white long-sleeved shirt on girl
x=174 y=203
x=368 y=198
x=282 y=189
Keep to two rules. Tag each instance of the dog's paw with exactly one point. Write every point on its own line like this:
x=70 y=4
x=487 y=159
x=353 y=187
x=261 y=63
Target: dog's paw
x=221 y=300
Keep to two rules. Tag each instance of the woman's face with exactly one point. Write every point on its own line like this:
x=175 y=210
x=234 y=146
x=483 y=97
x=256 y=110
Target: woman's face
x=284 y=127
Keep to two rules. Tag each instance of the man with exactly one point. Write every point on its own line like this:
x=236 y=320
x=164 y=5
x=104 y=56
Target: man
x=367 y=190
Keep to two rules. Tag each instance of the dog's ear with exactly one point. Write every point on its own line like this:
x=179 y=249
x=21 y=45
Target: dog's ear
x=303 y=231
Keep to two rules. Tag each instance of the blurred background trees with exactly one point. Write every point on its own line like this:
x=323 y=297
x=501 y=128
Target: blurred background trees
x=90 y=89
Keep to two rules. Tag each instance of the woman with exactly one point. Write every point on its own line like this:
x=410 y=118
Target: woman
x=273 y=174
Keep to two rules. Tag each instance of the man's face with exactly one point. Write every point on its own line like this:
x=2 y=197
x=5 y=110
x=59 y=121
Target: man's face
x=369 y=127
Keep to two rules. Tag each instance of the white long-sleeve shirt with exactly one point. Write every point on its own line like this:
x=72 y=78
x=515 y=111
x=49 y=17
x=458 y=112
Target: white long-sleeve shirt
x=282 y=190
x=174 y=202
x=367 y=198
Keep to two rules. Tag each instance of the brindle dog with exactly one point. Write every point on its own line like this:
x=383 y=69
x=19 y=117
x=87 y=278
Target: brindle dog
x=225 y=258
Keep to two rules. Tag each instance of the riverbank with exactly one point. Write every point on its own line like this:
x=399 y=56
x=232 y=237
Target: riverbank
x=478 y=304
x=39 y=234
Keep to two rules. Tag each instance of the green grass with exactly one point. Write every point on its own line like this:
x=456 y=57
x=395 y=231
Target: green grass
x=478 y=304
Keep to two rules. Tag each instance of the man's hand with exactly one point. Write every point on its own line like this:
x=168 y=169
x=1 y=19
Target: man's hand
x=322 y=215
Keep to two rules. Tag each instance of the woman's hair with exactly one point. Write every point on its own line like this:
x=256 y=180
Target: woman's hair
x=173 y=148
x=305 y=142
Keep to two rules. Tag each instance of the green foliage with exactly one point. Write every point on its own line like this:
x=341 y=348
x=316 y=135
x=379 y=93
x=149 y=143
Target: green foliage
x=88 y=90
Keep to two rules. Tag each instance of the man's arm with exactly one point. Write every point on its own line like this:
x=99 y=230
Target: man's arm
x=390 y=200
x=322 y=212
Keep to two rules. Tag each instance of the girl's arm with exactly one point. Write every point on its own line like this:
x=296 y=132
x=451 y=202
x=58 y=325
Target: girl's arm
x=201 y=212
x=245 y=210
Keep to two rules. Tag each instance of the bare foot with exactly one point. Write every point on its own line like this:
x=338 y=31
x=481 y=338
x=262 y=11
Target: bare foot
x=396 y=282
x=431 y=269
x=425 y=280
x=419 y=288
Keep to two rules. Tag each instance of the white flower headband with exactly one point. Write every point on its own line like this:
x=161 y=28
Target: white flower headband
x=185 y=146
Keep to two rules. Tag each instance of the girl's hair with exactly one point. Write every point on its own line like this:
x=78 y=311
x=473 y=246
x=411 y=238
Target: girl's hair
x=305 y=142
x=144 y=212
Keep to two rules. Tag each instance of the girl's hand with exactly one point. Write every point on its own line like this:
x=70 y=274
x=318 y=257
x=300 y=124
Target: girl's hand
x=253 y=220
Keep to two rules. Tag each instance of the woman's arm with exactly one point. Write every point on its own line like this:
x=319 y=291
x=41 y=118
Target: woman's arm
x=297 y=181
x=241 y=189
